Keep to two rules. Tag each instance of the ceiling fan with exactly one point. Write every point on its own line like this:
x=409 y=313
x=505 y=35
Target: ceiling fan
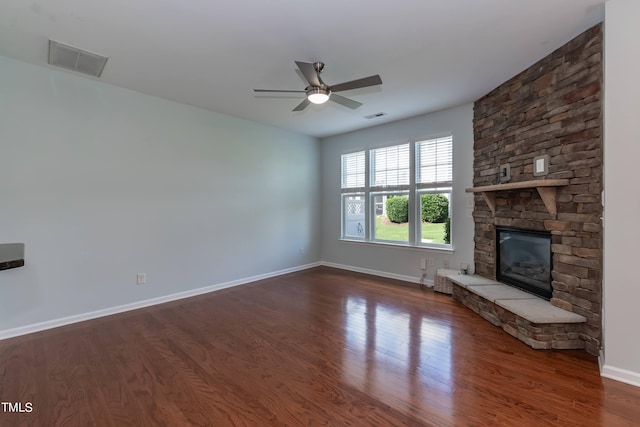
x=318 y=92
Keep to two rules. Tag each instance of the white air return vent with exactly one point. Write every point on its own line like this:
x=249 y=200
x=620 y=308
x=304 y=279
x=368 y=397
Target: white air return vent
x=72 y=58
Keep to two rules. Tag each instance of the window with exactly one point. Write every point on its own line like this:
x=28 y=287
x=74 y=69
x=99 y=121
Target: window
x=400 y=194
x=354 y=216
x=353 y=197
x=353 y=170
x=391 y=217
x=434 y=178
x=390 y=166
x=435 y=161
x=389 y=191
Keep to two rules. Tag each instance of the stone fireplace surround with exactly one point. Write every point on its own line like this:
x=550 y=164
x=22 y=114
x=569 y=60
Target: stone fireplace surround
x=552 y=108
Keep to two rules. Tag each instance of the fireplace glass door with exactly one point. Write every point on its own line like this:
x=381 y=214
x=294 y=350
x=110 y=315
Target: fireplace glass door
x=524 y=260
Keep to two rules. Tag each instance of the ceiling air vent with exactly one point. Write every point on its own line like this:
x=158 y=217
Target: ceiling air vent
x=72 y=58
x=375 y=115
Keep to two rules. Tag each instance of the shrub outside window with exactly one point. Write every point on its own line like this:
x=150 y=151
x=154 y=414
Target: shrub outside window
x=391 y=217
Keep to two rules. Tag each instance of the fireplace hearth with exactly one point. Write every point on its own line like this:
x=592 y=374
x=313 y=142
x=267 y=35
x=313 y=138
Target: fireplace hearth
x=524 y=260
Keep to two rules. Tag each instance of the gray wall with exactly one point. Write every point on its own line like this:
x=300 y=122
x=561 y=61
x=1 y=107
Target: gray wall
x=621 y=281
x=393 y=261
x=101 y=183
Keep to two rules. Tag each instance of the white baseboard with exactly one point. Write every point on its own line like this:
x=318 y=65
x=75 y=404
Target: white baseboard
x=49 y=324
x=404 y=278
x=621 y=375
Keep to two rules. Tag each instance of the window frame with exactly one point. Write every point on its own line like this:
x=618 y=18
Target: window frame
x=414 y=190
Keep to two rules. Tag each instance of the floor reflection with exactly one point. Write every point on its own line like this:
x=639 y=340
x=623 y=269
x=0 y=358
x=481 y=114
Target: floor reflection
x=400 y=355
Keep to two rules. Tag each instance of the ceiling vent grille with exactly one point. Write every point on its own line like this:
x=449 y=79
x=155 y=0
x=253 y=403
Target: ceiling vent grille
x=375 y=115
x=72 y=58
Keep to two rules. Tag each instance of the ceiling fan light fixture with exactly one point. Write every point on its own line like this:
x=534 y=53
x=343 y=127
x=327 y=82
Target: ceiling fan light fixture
x=317 y=92
x=318 y=95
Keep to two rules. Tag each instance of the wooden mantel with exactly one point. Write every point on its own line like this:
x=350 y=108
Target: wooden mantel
x=546 y=188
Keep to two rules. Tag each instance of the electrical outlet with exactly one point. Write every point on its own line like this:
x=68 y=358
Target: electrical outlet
x=430 y=262
x=141 y=278
x=423 y=264
x=301 y=251
x=445 y=263
x=505 y=172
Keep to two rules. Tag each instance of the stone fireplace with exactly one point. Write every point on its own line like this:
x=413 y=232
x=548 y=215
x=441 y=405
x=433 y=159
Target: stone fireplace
x=553 y=108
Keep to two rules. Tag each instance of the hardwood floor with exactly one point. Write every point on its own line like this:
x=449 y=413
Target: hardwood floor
x=317 y=347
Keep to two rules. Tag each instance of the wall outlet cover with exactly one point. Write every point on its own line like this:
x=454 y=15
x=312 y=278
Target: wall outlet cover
x=541 y=165
x=504 y=173
x=141 y=278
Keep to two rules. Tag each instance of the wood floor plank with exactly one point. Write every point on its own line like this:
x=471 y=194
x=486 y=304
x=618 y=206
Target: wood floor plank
x=316 y=347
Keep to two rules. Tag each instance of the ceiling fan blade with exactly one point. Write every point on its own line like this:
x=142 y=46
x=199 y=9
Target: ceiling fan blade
x=302 y=105
x=356 y=84
x=309 y=73
x=345 y=101
x=278 y=90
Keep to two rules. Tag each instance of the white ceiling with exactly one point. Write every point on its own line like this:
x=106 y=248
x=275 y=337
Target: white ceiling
x=431 y=54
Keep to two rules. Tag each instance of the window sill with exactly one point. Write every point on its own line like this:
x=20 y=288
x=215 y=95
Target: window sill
x=450 y=249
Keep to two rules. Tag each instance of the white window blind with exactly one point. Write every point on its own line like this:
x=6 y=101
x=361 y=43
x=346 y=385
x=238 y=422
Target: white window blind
x=391 y=166
x=353 y=170
x=435 y=161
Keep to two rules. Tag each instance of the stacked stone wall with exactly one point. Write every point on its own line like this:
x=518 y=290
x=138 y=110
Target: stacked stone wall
x=554 y=108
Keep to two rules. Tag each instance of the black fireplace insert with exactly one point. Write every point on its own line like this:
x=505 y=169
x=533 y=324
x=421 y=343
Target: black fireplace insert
x=524 y=260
